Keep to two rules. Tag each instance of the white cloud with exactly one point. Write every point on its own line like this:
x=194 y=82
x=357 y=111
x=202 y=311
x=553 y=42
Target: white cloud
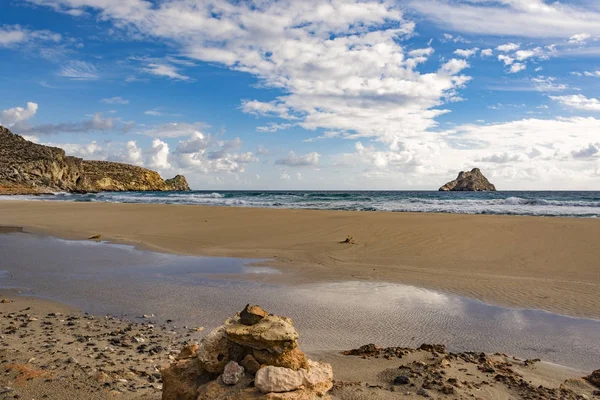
x=508 y=47
x=79 y=71
x=15 y=35
x=578 y=102
x=595 y=74
x=16 y=115
x=339 y=65
x=466 y=53
x=590 y=151
x=487 y=53
x=454 y=66
x=174 y=129
x=579 y=38
x=165 y=70
x=506 y=59
x=115 y=100
x=530 y=18
x=517 y=67
x=293 y=160
x=159 y=155
x=547 y=84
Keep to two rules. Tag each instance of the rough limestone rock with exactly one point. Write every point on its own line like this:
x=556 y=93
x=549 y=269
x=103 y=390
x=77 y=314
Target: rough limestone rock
x=214 y=349
x=318 y=377
x=30 y=168
x=189 y=351
x=278 y=379
x=182 y=379
x=294 y=359
x=272 y=333
x=469 y=181
x=252 y=315
x=238 y=362
x=232 y=373
x=250 y=364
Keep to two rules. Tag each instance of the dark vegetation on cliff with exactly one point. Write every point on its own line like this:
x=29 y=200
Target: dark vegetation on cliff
x=30 y=168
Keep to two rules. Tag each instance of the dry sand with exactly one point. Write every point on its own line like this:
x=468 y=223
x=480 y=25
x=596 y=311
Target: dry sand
x=546 y=263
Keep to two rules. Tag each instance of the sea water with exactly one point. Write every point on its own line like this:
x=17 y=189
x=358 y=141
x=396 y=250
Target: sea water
x=541 y=203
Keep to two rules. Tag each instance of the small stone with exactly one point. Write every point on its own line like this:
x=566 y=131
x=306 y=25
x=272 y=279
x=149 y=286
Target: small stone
x=251 y=315
x=232 y=373
x=423 y=392
x=6 y=301
x=401 y=380
x=250 y=364
x=72 y=360
x=277 y=379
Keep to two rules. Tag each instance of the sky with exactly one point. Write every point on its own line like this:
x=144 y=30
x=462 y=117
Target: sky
x=312 y=94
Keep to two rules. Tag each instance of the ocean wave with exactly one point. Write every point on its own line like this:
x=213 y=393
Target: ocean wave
x=567 y=204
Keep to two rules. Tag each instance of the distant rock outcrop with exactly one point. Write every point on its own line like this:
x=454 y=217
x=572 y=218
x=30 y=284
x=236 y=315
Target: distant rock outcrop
x=30 y=168
x=469 y=181
x=254 y=355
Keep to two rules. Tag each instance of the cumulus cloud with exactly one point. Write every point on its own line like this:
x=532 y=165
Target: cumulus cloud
x=293 y=160
x=517 y=67
x=578 y=102
x=595 y=74
x=16 y=115
x=159 y=155
x=466 y=53
x=487 y=53
x=508 y=47
x=587 y=152
x=340 y=65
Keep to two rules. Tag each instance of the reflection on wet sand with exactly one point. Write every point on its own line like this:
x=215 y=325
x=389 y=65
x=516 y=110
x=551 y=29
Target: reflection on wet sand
x=115 y=279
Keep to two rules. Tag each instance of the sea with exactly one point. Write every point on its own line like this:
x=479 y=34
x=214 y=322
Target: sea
x=583 y=204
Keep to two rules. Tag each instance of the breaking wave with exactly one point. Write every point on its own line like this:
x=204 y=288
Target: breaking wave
x=565 y=204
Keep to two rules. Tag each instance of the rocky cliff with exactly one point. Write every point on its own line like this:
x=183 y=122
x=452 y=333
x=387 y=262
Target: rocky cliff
x=30 y=168
x=469 y=181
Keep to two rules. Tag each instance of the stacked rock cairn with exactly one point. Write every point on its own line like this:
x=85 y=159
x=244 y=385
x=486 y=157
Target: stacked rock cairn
x=253 y=355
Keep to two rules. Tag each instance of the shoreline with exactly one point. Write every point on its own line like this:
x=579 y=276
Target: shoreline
x=552 y=258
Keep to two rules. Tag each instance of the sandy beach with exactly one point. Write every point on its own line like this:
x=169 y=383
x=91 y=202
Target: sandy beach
x=545 y=263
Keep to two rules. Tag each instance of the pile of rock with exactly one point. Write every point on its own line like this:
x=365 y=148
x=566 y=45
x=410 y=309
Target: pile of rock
x=253 y=355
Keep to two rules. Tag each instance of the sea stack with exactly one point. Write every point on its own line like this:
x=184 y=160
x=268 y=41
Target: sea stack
x=469 y=181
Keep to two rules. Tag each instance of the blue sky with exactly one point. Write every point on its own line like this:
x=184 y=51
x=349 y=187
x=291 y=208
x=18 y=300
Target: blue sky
x=312 y=94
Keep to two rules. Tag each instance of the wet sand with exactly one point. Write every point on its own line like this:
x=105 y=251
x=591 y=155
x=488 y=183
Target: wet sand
x=120 y=280
x=545 y=263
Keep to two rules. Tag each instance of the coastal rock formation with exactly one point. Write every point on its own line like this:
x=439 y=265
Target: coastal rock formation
x=469 y=181
x=253 y=355
x=30 y=168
